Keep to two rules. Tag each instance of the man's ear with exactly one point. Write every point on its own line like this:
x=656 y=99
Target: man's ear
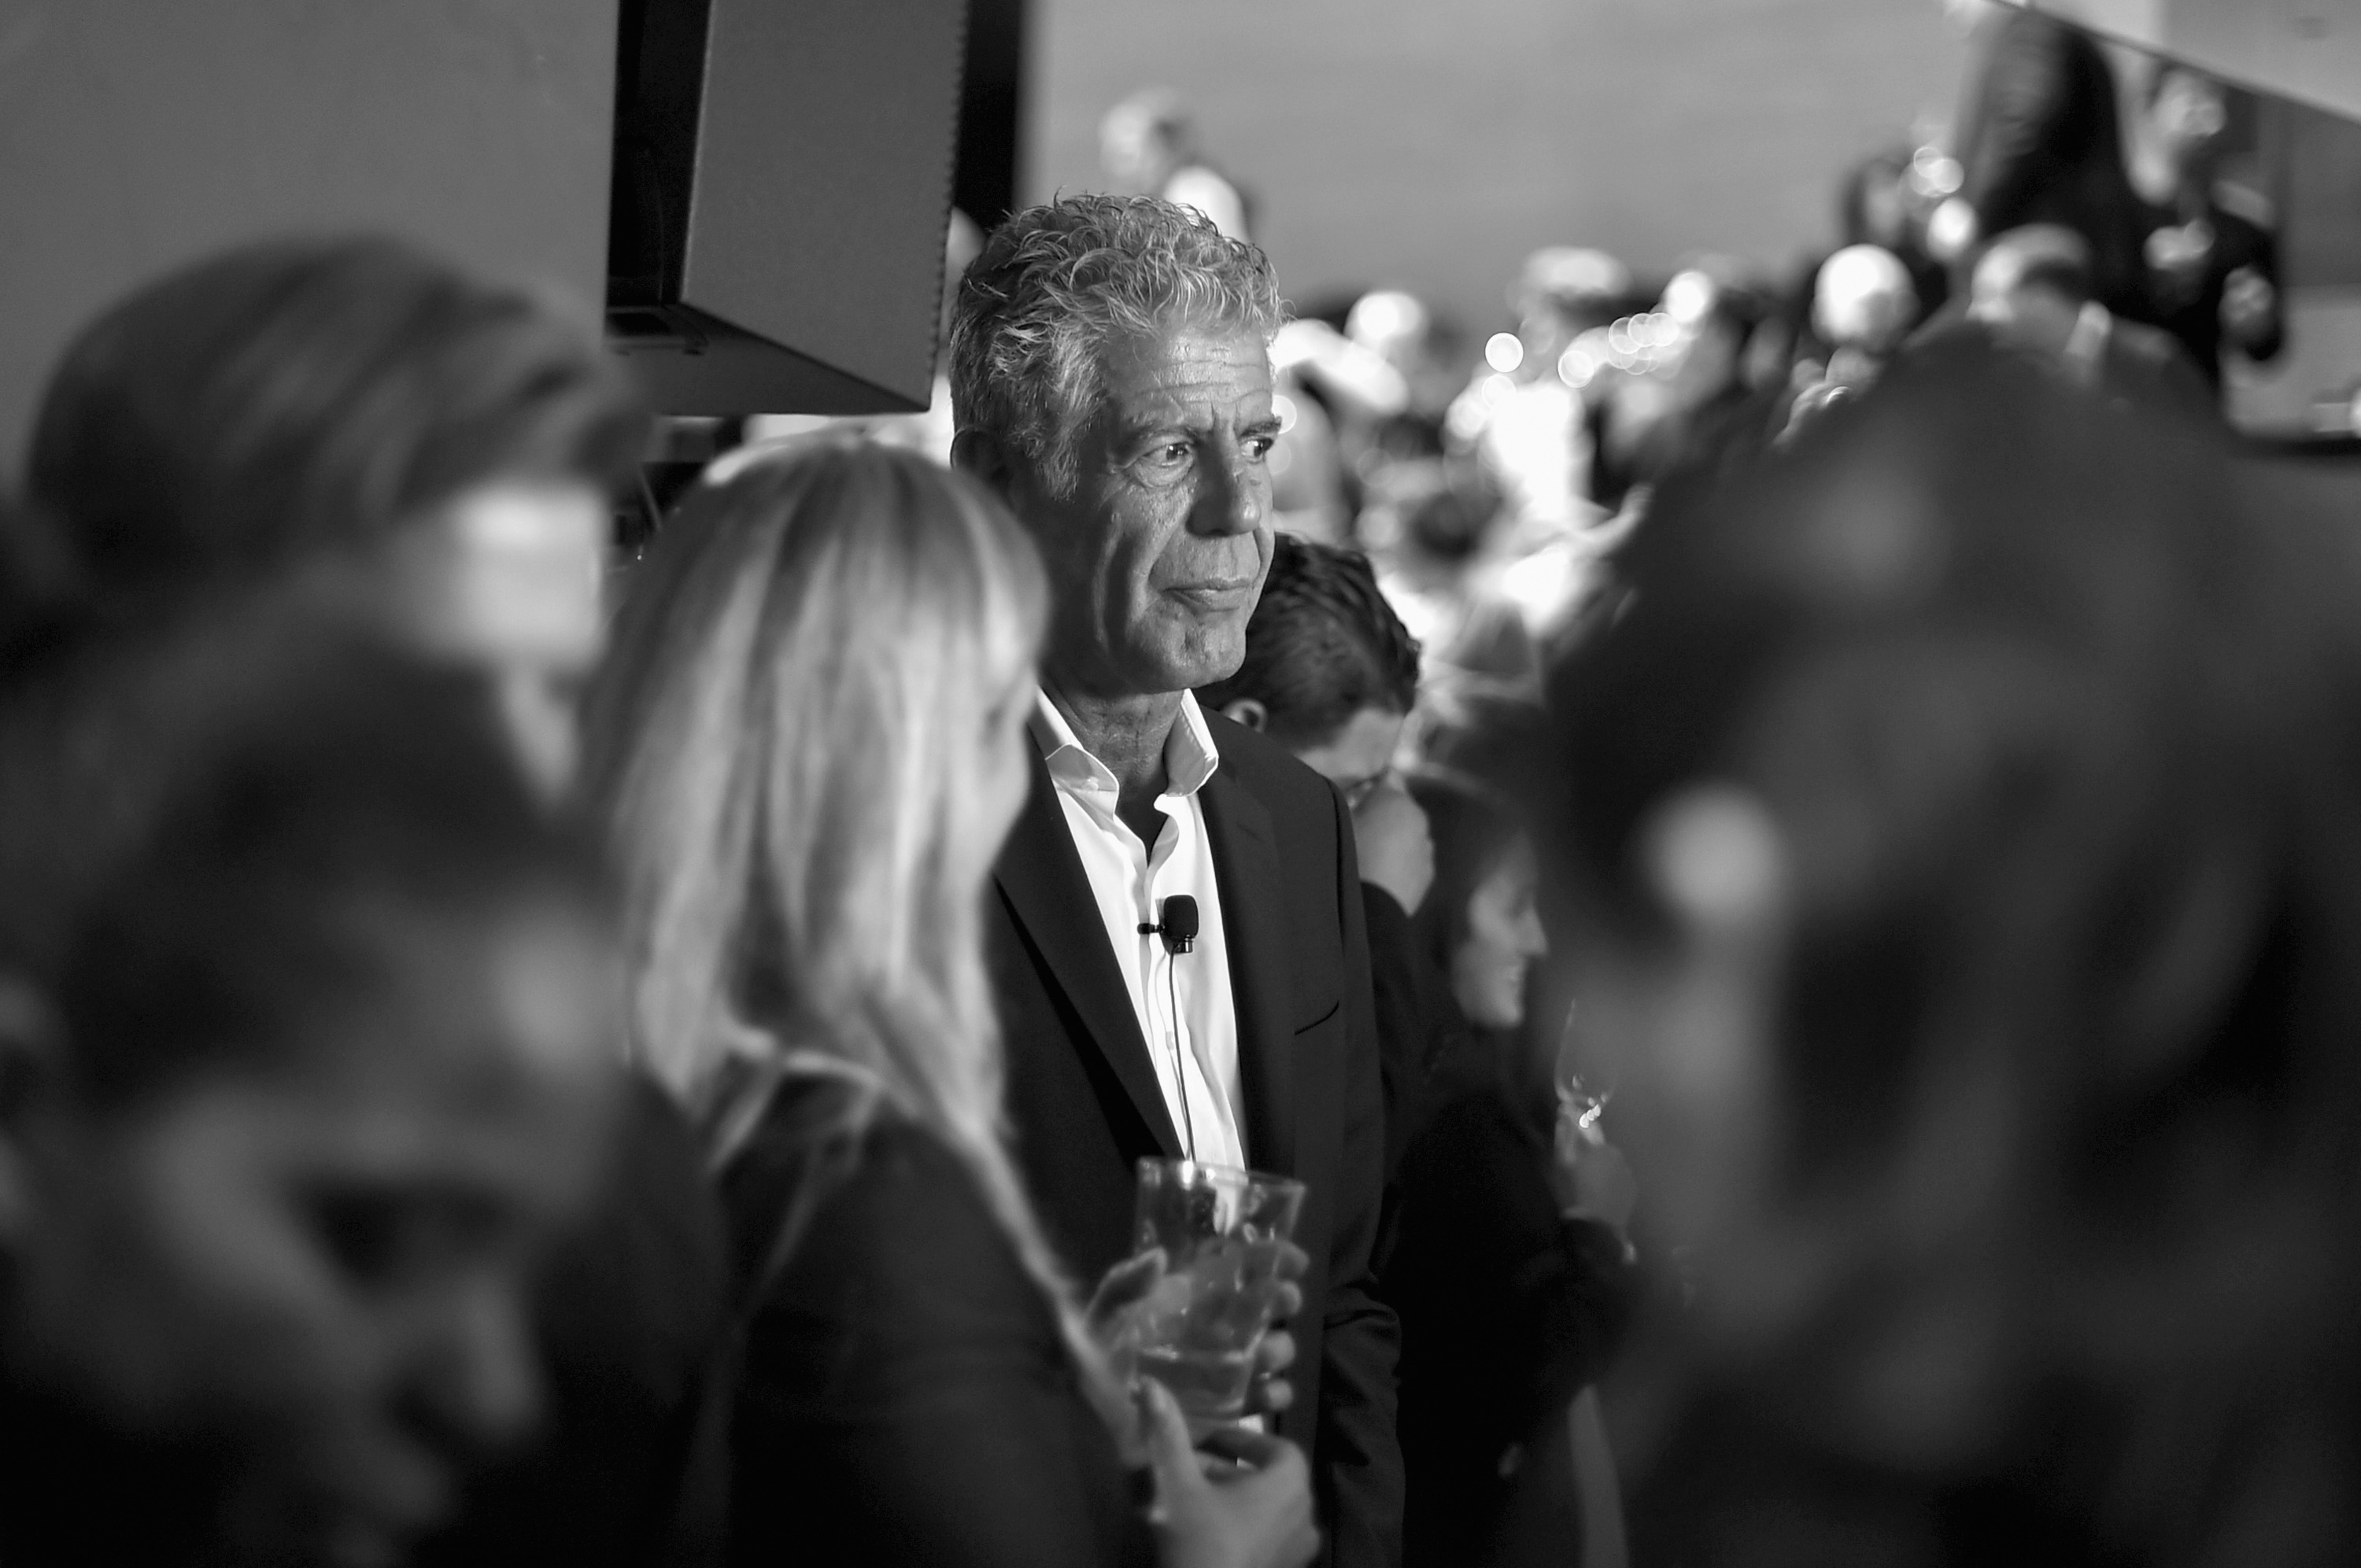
x=1246 y=711
x=31 y=1042
x=981 y=456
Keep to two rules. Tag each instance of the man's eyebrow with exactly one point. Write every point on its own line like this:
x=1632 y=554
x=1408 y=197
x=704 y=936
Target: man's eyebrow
x=1267 y=426
x=1143 y=433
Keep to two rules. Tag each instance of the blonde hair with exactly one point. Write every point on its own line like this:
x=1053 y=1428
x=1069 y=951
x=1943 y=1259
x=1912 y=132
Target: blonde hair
x=787 y=738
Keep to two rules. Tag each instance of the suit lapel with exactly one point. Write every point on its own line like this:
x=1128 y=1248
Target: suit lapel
x=1041 y=876
x=1253 y=900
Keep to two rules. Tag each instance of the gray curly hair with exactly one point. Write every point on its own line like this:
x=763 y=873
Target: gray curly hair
x=1057 y=283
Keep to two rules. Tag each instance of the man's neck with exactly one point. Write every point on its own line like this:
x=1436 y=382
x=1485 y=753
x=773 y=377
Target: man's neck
x=1128 y=734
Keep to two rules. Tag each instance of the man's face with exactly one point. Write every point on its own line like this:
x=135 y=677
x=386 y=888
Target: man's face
x=1156 y=558
x=316 y=1278
x=1359 y=755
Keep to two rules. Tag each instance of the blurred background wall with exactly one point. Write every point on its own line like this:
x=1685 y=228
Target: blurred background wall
x=1431 y=145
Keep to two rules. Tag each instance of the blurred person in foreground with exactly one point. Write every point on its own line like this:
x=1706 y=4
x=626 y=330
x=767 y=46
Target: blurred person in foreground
x=1331 y=673
x=360 y=426
x=2032 y=290
x=1955 y=848
x=364 y=421
x=2212 y=258
x=811 y=739
x=1509 y=1267
x=1111 y=374
x=1147 y=147
x=305 y=1024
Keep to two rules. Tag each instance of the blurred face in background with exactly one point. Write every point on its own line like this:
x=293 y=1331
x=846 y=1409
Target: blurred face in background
x=312 y=1276
x=2025 y=313
x=1136 y=151
x=1390 y=828
x=1158 y=556
x=1504 y=938
x=506 y=578
x=1359 y=755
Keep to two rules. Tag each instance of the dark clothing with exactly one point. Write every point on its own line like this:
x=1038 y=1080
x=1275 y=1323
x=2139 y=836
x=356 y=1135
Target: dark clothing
x=2138 y=366
x=1507 y=1309
x=629 y=1310
x=2144 y=367
x=1419 y=1026
x=73 y=1496
x=2188 y=300
x=1084 y=1098
x=904 y=1394
x=1722 y=433
x=2038 y=143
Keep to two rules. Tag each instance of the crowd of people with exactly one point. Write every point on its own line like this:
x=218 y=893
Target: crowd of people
x=516 y=1052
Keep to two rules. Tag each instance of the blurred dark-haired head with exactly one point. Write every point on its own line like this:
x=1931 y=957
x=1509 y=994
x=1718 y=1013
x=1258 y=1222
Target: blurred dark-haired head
x=1956 y=853
x=439 y=450
x=304 y=1019
x=1950 y=847
x=1325 y=653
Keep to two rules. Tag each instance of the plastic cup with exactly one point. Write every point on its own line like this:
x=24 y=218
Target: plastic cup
x=1222 y=1231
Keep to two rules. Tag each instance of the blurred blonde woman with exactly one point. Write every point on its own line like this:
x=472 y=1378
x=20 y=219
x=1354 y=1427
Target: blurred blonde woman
x=810 y=740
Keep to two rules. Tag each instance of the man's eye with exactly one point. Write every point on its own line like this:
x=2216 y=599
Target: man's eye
x=1170 y=455
x=1259 y=446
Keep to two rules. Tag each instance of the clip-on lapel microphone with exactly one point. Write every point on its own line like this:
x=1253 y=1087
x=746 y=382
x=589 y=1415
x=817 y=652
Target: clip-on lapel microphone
x=1179 y=928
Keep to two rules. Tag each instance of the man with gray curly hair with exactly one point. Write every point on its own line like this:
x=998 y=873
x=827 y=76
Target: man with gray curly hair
x=1177 y=950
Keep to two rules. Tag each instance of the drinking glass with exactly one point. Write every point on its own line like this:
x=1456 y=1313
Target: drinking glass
x=1222 y=1231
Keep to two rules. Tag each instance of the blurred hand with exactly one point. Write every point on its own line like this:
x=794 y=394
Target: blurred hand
x=1124 y=1286
x=1113 y=1309
x=1396 y=850
x=1589 y=1175
x=2250 y=308
x=1269 y=1393
x=1244 y=1503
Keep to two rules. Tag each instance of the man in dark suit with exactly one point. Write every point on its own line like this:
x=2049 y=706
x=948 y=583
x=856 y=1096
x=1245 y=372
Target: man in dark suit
x=1111 y=379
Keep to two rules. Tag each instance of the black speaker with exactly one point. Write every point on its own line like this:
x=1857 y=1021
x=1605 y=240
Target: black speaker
x=782 y=184
x=137 y=136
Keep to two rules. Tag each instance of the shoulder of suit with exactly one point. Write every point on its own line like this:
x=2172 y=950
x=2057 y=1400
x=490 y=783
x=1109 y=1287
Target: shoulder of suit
x=1266 y=767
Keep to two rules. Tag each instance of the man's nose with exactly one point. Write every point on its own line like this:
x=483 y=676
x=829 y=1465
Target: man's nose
x=1232 y=496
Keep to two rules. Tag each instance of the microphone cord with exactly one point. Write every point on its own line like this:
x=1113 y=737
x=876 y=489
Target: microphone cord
x=1179 y=1073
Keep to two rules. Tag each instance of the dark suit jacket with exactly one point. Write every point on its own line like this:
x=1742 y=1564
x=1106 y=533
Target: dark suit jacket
x=905 y=1397
x=1085 y=1107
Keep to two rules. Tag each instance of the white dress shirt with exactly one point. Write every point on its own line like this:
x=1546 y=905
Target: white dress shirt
x=1182 y=1000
